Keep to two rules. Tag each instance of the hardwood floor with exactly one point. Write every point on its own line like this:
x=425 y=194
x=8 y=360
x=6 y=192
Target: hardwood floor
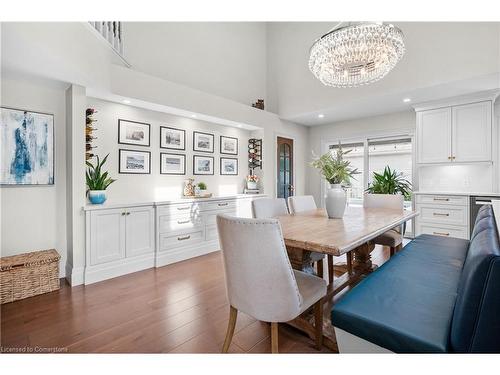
x=180 y=308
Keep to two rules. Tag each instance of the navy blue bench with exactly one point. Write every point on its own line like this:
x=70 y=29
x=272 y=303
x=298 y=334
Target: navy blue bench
x=437 y=295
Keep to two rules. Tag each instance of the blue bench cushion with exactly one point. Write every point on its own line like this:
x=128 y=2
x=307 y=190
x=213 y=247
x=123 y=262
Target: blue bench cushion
x=407 y=305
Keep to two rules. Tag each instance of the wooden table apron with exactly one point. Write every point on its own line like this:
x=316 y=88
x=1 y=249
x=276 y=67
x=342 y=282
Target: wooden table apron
x=313 y=231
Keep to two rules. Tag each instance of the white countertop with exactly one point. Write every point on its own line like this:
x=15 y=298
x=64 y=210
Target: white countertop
x=496 y=212
x=92 y=207
x=462 y=193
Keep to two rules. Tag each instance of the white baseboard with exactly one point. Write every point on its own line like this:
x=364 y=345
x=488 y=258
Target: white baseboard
x=348 y=343
x=74 y=275
x=94 y=274
x=180 y=254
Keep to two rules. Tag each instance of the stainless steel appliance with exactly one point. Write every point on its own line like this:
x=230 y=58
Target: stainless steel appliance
x=476 y=202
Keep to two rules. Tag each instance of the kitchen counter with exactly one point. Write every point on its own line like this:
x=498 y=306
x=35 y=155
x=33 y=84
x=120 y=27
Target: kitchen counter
x=467 y=194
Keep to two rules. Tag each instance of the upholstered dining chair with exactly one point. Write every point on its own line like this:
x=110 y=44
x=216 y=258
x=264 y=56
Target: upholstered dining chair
x=264 y=208
x=392 y=238
x=260 y=280
x=301 y=203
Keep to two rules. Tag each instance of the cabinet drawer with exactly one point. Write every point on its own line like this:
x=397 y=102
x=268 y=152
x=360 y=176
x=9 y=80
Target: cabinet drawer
x=181 y=209
x=454 y=215
x=457 y=200
x=180 y=223
x=218 y=205
x=444 y=231
x=211 y=218
x=168 y=241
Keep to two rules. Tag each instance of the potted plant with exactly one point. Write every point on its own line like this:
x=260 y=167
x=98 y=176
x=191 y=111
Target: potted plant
x=390 y=182
x=202 y=188
x=252 y=181
x=97 y=181
x=336 y=171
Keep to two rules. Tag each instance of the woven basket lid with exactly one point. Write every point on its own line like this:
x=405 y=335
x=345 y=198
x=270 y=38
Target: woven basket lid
x=34 y=258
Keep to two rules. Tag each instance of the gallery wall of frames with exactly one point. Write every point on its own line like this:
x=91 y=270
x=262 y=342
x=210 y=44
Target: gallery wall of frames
x=152 y=153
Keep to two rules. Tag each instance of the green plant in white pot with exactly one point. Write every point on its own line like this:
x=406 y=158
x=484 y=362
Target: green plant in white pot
x=337 y=172
x=97 y=181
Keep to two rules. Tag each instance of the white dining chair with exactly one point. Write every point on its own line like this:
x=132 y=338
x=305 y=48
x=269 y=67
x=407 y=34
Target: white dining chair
x=302 y=203
x=392 y=238
x=264 y=208
x=260 y=280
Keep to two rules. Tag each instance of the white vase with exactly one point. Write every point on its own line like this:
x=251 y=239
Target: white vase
x=335 y=201
x=252 y=185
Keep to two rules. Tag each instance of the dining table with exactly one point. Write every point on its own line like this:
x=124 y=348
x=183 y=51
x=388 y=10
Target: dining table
x=350 y=236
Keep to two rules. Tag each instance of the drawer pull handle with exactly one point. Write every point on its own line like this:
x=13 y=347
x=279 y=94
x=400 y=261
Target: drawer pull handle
x=442 y=199
x=440 y=234
x=183 y=238
x=183 y=208
x=440 y=214
x=222 y=204
x=183 y=222
x=128 y=213
x=124 y=213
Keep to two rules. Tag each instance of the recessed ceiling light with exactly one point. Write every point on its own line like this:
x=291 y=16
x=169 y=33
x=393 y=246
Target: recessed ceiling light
x=193 y=116
x=406 y=100
x=126 y=101
x=321 y=115
x=240 y=126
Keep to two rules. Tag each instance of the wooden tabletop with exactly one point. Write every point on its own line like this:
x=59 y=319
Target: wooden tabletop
x=314 y=231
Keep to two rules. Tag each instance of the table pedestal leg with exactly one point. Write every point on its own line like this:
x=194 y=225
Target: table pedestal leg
x=300 y=260
x=363 y=260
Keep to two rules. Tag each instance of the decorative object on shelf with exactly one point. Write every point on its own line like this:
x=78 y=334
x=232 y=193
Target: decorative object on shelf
x=89 y=130
x=201 y=189
x=134 y=162
x=188 y=187
x=252 y=181
x=254 y=154
x=336 y=171
x=228 y=166
x=228 y=145
x=356 y=53
x=203 y=142
x=133 y=133
x=172 y=164
x=97 y=181
x=203 y=165
x=27 y=151
x=390 y=182
x=172 y=138
x=259 y=104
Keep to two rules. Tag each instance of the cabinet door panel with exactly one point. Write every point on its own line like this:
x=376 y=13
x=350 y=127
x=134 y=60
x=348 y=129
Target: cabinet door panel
x=434 y=136
x=107 y=235
x=471 y=134
x=140 y=231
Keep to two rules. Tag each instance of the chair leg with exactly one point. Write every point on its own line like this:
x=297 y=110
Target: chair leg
x=233 y=314
x=349 y=262
x=392 y=251
x=274 y=338
x=399 y=247
x=330 y=268
x=319 y=267
x=318 y=323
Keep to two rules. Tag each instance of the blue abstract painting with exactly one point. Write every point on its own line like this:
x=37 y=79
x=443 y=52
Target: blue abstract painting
x=27 y=148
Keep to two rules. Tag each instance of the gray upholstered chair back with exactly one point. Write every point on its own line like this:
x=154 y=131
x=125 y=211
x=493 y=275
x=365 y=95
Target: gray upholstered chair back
x=263 y=208
x=300 y=203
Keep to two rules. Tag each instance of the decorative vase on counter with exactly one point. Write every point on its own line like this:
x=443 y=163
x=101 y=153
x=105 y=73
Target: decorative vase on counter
x=251 y=185
x=97 y=196
x=335 y=201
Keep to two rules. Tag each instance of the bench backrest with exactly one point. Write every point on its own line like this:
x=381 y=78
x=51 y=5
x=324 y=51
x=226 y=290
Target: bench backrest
x=476 y=318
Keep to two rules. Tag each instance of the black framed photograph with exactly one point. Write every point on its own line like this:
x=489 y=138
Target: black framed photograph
x=228 y=166
x=134 y=162
x=203 y=142
x=172 y=138
x=134 y=133
x=203 y=165
x=228 y=145
x=172 y=163
x=27 y=147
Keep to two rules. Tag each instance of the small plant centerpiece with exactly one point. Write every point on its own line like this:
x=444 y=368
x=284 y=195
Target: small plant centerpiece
x=97 y=181
x=390 y=182
x=337 y=172
x=252 y=180
x=202 y=188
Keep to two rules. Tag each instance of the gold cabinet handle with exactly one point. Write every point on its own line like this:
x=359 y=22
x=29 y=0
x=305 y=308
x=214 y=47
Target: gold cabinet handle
x=440 y=234
x=440 y=214
x=183 y=238
x=183 y=222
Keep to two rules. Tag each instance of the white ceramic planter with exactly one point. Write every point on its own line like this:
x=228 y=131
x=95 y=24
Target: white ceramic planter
x=335 y=201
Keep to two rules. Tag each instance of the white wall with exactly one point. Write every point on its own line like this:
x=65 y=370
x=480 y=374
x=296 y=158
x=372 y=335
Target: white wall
x=227 y=59
x=155 y=186
x=392 y=123
x=34 y=217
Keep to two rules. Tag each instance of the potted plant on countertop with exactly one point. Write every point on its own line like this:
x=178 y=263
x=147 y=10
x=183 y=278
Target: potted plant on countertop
x=202 y=188
x=97 y=181
x=252 y=181
x=337 y=172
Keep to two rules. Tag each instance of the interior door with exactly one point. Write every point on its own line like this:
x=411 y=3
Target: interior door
x=284 y=158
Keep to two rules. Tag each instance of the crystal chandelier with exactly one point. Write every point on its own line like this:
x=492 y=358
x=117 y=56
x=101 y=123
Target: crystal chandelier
x=355 y=54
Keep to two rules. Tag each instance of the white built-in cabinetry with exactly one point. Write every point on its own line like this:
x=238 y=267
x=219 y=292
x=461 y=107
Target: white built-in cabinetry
x=125 y=239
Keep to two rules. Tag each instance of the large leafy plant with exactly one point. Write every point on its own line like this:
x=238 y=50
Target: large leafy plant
x=390 y=182
x=334 y=168
x=96 y=179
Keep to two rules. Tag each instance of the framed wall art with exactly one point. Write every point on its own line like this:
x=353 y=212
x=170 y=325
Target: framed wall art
x=172 y=138
x=203 y=165
x=133 y=133
x=228 y=145
x=174 y=164
x=203 y=142
x=134 y=162
x=228 y=166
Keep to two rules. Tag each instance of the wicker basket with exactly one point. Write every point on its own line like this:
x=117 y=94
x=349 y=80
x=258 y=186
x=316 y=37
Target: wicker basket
x=27 y=275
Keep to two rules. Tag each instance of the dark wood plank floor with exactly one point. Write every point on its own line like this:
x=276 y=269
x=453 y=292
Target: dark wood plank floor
x=180 y=308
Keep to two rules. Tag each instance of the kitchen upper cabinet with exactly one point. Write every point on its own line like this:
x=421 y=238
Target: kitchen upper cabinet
x=139 y=233
x=471 y=132
x=434 y=136
x=455 y=134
